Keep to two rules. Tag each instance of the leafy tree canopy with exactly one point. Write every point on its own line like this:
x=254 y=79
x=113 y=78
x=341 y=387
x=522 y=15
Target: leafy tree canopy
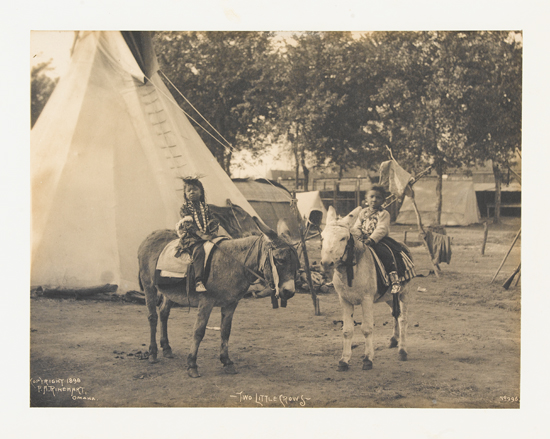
x=42 y=87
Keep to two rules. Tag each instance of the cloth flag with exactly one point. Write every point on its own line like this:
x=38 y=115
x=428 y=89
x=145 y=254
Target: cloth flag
x=395 y=179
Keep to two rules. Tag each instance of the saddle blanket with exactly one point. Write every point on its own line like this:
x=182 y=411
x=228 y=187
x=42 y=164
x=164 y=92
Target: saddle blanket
x=384 y=284
x=171 y=266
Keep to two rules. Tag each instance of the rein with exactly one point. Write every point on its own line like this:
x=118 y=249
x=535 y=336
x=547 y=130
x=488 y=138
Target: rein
x=349 y=252
x=347 y=258
x=275 y=274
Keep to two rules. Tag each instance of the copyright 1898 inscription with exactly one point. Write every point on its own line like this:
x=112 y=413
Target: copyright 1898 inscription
x=58 y=387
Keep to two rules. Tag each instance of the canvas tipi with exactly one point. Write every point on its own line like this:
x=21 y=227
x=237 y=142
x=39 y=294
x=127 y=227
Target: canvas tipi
x=311 y=207
x=107 y=157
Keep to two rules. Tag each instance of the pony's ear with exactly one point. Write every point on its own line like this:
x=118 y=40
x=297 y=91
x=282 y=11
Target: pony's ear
x=283 y=230
x=264 y=228
x=350 y=218
x=331 y=215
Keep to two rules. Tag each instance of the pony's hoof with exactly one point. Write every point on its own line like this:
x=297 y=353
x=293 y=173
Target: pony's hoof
x=393 y=343
x=193 y=372
x=167 y=353
x=403 y=355
x=230 y=369
x=343 y=366
x=367 y=365
x=153 y=359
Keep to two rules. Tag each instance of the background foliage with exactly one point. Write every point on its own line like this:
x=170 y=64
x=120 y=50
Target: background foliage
x=338 y=99
x=42 y=87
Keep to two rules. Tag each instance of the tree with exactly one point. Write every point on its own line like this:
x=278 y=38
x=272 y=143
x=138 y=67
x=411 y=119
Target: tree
x=448 y=99
x=440 y=99
x=419 y=108
x=42 y=87
x=221 y=74
x=322 y=86
x=494 y=101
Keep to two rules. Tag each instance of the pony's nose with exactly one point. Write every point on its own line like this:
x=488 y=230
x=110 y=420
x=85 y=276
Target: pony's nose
x=327 y=265
x=287 y=291
x=287 y=294
x=288 y=288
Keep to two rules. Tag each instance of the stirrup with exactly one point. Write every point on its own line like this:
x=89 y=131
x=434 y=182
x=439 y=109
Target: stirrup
x=395 y=288
x=200 y=288
x=395 y=285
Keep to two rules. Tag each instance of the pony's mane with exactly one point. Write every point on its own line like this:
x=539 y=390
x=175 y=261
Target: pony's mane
x=248 y=233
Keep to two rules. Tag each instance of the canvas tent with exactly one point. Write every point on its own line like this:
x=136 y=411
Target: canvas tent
x=311 y=207
x=459 y=203
x=107 y=156
x=271 y=201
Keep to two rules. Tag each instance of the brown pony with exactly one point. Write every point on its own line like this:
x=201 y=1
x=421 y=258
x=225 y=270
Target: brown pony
x=234 y=267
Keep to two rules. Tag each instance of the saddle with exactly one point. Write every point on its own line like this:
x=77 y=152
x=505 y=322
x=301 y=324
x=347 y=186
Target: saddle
x=171 y=269
x=383 y=280
x=384 y=284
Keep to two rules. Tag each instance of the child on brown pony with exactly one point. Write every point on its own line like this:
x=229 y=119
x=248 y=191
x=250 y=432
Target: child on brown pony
x=373 y=228
x=195 y=227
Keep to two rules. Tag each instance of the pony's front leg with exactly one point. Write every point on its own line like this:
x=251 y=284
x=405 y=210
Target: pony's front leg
x=367 y=328
x=227 y=319
x=347 y=330
x=403 y=323
x=205 y=308
x=164 y=314
x=394 y=340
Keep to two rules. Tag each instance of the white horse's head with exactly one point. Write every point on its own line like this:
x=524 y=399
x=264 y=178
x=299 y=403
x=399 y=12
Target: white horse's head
x=335 y=237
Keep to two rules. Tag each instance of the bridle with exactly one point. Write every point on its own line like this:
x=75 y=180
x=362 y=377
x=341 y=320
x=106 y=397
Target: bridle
x=347 y=259
x=268 y=265
x=349 y=247
x=265 y=258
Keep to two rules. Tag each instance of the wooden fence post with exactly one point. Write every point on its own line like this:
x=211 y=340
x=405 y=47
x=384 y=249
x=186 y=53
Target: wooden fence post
x=485 y=233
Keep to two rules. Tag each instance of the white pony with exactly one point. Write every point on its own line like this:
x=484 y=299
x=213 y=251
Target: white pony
x=363 y=290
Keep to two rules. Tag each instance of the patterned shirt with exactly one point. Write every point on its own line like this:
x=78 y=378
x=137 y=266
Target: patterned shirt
x=196 y=220
x=201 y=216
x=373 y=224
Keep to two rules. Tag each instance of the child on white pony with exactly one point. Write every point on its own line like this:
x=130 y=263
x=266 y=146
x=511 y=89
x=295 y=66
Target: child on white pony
x=373 y=228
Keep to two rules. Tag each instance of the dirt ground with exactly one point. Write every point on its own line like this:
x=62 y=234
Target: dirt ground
x=464 y=345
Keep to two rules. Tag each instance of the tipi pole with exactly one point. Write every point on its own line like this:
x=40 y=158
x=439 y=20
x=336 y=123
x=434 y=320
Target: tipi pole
x=518 y=278
x=506 y=256
x=306 y=258
x=305 y=239
x=421 y=227
x=393 y=198
x=508 y=282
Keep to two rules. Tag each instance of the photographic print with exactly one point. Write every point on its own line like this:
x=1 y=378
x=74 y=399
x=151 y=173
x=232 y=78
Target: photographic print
x=276 y=219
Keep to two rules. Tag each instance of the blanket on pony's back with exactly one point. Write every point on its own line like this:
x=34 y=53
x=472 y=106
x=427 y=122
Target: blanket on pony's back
x=171 y=269
x=402 y=256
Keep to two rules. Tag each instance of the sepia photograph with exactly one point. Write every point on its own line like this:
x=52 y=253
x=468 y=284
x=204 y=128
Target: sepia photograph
x=242 y=217
x=385 y=228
